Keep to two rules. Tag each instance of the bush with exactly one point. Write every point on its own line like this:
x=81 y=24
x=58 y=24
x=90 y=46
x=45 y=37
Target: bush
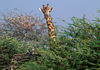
x=26 y=27
x=29 y=66
x=83 y=37
x=8 y=47
x=77 y=49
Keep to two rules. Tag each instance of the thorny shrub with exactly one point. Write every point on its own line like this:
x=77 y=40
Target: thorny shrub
x=26 y=27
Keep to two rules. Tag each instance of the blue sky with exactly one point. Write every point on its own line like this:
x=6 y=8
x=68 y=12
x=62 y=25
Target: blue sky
x=64 y=9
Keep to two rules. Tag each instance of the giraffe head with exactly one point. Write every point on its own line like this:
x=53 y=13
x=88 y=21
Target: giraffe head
x=46 y=10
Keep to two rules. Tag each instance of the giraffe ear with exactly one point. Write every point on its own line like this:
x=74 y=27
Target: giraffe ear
x=40 y=9
x=51 y=9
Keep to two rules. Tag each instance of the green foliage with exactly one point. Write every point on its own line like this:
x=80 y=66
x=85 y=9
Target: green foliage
x=8 y=47
x=77 y=48
x=29 y=66
x=84 y=38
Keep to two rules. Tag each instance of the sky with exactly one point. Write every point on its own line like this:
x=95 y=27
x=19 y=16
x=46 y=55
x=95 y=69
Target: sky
x=63 y=9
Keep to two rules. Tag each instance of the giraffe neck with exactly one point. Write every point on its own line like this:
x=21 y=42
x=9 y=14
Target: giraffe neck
x=51 y=28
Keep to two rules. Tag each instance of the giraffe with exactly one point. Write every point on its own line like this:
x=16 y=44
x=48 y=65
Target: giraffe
x=51 y=29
